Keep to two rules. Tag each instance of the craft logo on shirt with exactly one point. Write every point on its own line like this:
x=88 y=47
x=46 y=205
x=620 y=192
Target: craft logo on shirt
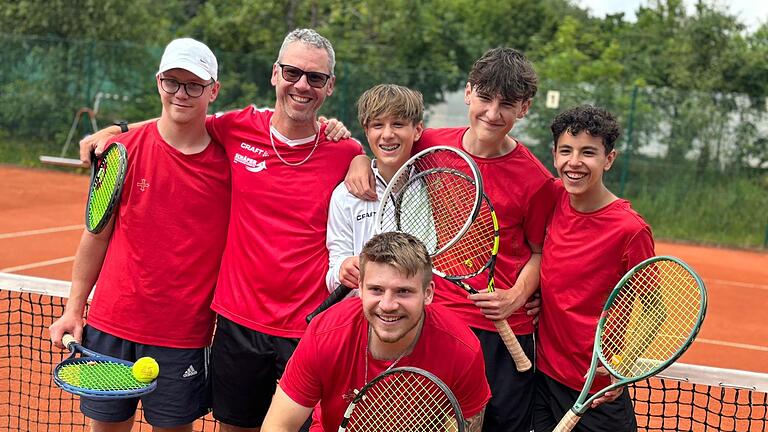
x=364 y=215
x=253 y=149
x=251 y=164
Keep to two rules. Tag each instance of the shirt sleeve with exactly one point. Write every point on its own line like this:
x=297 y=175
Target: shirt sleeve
x=471 y=387
x=539 y=212
x=639 y=248
x=301 y=381
x=339 y=240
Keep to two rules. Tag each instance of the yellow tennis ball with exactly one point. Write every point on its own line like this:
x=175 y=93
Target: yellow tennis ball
x=145 y=369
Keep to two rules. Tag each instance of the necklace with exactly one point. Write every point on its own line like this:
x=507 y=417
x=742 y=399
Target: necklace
x=272 y=141
x=407 y=350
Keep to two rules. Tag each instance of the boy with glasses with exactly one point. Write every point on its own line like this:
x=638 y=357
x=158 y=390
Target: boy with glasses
x=284 y=168
x=173 y=215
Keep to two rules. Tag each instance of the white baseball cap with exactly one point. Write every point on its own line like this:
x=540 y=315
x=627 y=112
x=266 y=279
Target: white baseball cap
x=191 y=55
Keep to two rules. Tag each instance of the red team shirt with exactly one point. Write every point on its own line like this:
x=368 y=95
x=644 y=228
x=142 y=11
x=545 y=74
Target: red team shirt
x=585 y=255
x=273 y=269
x=330 y=361
x=520 y=190
x=159 y=273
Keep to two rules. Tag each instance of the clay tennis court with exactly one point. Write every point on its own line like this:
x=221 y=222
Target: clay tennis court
x=41 y=217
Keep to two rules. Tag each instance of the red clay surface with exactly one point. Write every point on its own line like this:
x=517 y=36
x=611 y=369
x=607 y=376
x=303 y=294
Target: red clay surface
x=734 y=334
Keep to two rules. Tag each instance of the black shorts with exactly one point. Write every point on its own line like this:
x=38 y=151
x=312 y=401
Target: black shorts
x=554 y=399
x=182 y=394
x=511 y=406
x=245 y=367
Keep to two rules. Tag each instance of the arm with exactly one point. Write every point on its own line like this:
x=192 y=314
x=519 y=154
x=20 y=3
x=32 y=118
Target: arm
x=284 y=414
x=340 y=242
x=639 y=248
x=85 y=271
x=97 y=141
x=502 y=303
x=475 y=424
x=360 y=180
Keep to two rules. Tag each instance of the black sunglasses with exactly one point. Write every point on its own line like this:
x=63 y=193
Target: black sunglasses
x=193 y=89
x=294 y=74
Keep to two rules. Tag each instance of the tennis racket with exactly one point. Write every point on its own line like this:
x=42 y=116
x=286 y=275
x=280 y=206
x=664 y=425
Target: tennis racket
x=650 y=319
x=404 y=399
x=434 y=196
x=107 y=178
x=96 y=375
x=472 y=255
x=433 y=216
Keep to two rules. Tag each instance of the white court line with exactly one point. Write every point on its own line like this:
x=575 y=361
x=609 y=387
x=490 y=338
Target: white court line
x=736 y=284
x=37 y=264
x=41 y=231
x=733 y=344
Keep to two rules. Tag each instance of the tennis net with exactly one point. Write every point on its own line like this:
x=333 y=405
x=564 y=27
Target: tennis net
x=683 y=398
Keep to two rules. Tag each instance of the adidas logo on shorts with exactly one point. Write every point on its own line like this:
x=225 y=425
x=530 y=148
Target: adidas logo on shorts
x=190 y=372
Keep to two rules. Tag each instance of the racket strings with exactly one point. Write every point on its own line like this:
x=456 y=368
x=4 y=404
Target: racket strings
x=434 y=205
x=101 y=375
x=105 y=182
x=652 y=318
x=404 y=402
x=472 y=253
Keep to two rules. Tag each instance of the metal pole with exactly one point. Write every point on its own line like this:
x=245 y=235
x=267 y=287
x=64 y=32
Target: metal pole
x=630 y=138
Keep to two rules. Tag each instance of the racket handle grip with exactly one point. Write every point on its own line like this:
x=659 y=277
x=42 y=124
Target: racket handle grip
x=336 y=296
x=513 y=346
x=568 y=422
x=68 y=340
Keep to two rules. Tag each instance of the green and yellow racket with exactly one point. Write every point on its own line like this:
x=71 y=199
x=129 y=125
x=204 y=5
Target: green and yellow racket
x=98 y=376
x=649 y=320
x=107 y=178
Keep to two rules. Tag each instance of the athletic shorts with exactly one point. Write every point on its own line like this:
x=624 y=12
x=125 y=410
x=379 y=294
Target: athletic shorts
x=182 y=394
x=553 y=399
x=511 y=406
x=245 y=368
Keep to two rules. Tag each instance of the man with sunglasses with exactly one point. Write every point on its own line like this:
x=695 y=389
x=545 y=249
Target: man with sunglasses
x=173 y=214
x=284 y=170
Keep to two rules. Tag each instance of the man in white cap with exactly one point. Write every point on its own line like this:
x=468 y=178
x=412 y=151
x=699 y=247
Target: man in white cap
x=157 y=261
x=285 y=165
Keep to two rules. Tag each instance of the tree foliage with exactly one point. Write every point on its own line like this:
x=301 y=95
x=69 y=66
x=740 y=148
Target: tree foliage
x=58 y=55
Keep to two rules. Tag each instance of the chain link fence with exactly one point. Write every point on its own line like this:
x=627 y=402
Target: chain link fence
x=695 y=165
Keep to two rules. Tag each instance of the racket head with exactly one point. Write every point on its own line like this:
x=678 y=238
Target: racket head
x=107 y=178
x=434 y=196
x=475 y=251
x=97 y=376
x=100 y=377
x=676 y=299
x=404 y=399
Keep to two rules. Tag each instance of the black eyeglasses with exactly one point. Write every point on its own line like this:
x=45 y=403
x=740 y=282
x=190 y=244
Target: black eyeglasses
x=294 y=74
x=193 y=89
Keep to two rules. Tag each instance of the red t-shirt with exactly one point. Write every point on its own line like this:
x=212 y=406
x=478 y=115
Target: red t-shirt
x=585 y=255
x=158 y=277
x=520 y=190
x=273 y=269
x=330 y=361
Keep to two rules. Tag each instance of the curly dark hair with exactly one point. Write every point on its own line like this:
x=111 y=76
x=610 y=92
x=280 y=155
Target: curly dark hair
x=506 y=72
x=596 y=121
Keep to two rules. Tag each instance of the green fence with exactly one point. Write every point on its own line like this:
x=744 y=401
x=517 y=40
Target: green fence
x=694 y=164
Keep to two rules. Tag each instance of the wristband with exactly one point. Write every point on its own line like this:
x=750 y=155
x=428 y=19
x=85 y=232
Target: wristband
x=123 y=125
